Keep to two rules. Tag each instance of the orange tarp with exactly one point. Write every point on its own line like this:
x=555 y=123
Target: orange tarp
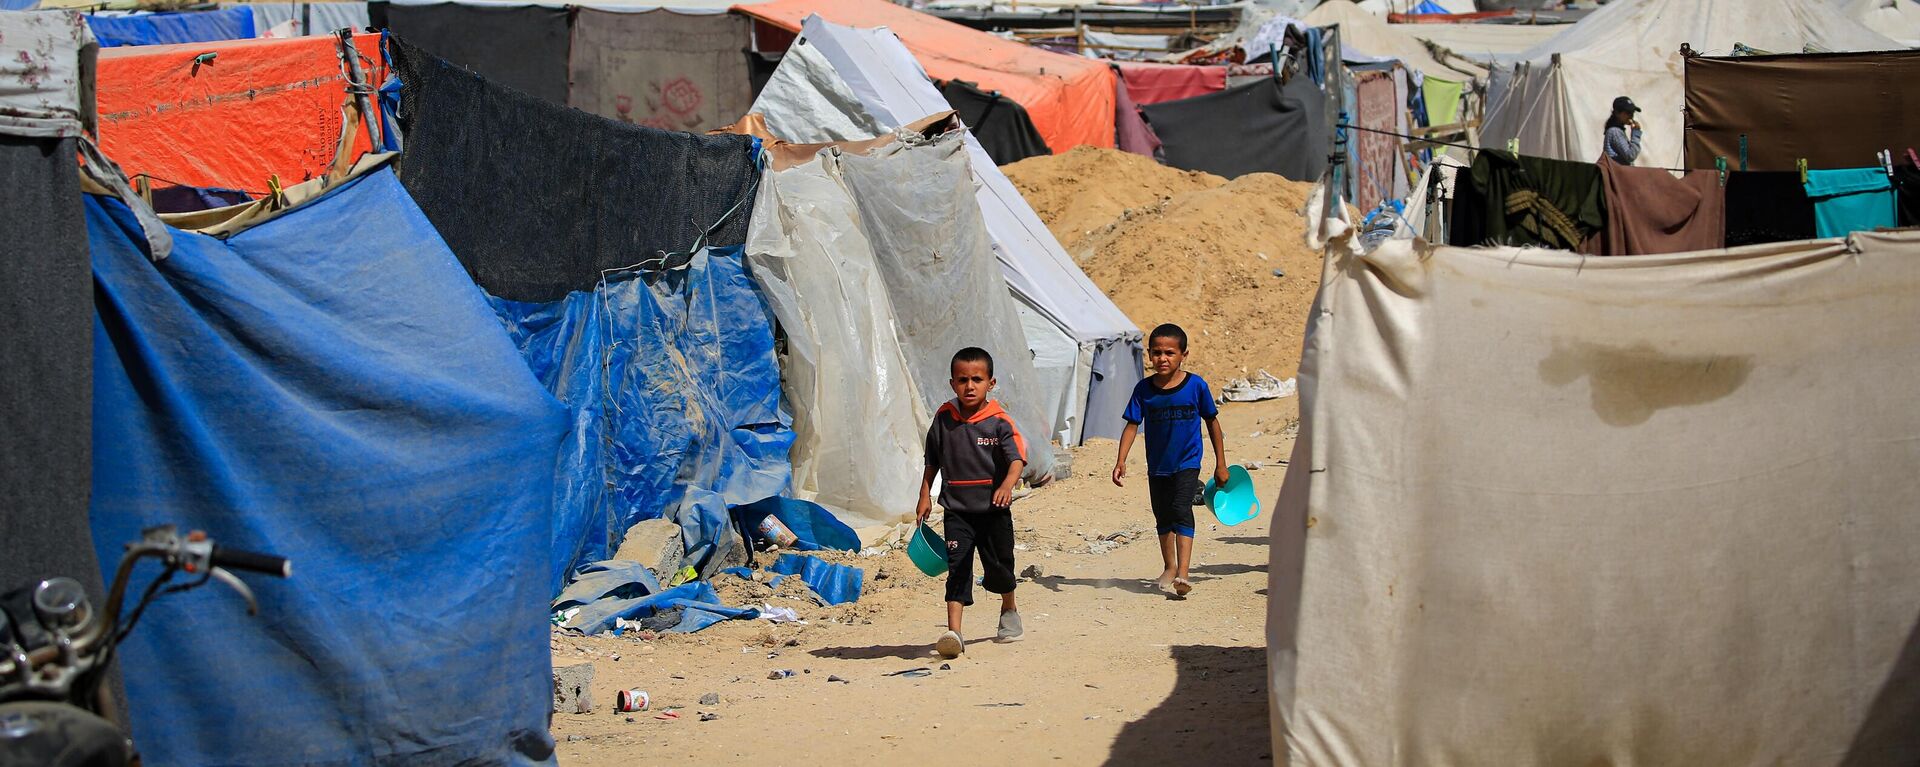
x=1069 y=98
x=258 y=108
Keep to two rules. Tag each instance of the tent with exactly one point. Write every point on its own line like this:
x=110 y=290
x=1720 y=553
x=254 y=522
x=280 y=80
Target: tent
x=1897 y=19
x=1483 y=42
x=1680 y=530
x=254 y=110
x=301 y=19
x=359 y=410
x=668 y=70
x=858 y=439
x=867 y=77
x=611 y=254
x=1364 y=33
x=1069 y=98
x=1557 y=100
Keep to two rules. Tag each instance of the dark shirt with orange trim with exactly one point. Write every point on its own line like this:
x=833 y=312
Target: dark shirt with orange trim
x=973 y=455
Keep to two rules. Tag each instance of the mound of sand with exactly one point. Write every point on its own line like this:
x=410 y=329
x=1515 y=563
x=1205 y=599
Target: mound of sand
x=1187 y=248
x=1086 y=189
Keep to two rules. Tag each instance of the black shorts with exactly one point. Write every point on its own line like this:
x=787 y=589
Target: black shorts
x=990 y=533
x=1173 y=496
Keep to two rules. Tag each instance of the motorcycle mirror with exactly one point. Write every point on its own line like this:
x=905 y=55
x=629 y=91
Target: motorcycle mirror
x=61 y=604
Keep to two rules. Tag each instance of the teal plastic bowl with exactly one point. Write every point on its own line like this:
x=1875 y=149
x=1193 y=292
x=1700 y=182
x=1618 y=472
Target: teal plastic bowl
x=928 y=551
x=1236 y=501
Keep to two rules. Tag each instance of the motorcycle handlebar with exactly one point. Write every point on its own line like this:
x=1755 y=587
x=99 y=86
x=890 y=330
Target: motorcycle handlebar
x=241 y=559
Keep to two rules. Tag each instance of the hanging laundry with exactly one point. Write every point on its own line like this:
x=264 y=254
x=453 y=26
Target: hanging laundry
x=1508 y=199
x=1443 y=99
x=1906 y=184
x=1852 y=200
x=1767 y=206
x=1130 y=130
x=1649 y=211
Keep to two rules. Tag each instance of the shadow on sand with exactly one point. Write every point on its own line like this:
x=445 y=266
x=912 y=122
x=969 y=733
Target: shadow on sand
x=1135 y=585
x=1218 y=708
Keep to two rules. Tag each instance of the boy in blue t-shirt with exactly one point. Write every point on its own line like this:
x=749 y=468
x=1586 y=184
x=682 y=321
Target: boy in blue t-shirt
x=1172 y=403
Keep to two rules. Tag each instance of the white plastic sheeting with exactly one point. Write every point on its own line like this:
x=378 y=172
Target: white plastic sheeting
x=1897 y=19
x=858 y=419
x=921 y=218
x=1558 y=101
x=893 y=91
x=306 y=18
x=1547 y=509
x=805 y=101
x=1371 y=35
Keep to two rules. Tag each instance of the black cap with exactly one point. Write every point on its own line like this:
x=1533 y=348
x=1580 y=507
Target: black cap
x=1624 y=104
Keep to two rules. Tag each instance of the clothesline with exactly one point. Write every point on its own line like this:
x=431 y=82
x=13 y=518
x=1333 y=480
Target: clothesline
x=1467 y=147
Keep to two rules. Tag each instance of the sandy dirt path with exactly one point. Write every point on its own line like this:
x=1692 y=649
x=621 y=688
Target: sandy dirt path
x=1111 y=672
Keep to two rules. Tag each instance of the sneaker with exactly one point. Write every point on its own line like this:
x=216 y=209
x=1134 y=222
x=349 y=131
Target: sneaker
x=1010 y=628
x=949 y=645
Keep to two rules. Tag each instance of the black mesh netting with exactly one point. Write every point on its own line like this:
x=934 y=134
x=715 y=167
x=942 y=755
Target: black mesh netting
x=538 y=199
x=1261 y=126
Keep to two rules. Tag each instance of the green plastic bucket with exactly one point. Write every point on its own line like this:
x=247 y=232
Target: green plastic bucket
x=1236 y=501
x=928 y=551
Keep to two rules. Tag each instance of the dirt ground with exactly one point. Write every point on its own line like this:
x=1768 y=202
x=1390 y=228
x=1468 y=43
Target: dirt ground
x=1111 y=672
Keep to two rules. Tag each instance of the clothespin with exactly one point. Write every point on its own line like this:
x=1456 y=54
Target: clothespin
x=1720 y=162
x=1915 y=158
x=275 y=193
x=1802 y=164
x=1885 y=156
x=1743 y=153
x=1513 y=146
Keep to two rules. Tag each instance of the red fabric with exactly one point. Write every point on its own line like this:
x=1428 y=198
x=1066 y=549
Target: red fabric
x=1069 y=98
x=1130 y=130
x=1154 y=83
x=259 y=108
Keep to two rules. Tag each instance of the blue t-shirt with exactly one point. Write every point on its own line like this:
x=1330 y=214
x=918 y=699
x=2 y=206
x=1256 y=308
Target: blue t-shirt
x=1172 y=418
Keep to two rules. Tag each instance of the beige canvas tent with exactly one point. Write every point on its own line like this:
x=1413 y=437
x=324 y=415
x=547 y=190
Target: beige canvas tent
x=1556 y=101
x=1547 y=509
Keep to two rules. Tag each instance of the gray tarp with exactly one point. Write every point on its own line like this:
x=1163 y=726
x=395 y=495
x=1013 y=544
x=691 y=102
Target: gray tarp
x=917 y=206
x=673 y=71
x=1555 y=510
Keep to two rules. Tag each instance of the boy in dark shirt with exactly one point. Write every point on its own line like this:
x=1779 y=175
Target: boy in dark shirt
x=974 y=444
x=1172 y=403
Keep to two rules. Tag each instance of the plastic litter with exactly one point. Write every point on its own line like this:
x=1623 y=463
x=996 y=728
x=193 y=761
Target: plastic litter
x=780 y=614
x=1263 y=386
x=629 y=701
x=785 y=673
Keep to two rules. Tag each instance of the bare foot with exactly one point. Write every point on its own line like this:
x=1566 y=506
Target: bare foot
x=1181 y=586
x=1164 y=582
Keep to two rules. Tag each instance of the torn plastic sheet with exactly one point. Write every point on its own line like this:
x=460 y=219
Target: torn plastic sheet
x=835 y=584
x=674 y=395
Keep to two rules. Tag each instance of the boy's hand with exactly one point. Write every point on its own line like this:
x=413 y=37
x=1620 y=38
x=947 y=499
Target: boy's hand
x=1119 y=473
x=1002 y=497
x=1219 y=474
x=924 y=509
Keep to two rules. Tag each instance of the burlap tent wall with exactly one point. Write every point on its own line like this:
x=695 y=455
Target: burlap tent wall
x=1835 y=110
x=1554 y=510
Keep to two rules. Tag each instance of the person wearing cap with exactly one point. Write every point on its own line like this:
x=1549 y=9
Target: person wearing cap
x=1622 y=147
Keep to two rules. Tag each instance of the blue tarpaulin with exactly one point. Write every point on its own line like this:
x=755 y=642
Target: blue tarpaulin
x=816 y=527
x=330 y=386
x=1429 y=6
x=173 y=27
x=836 y=584
x=699 y=605
x=675 y=398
